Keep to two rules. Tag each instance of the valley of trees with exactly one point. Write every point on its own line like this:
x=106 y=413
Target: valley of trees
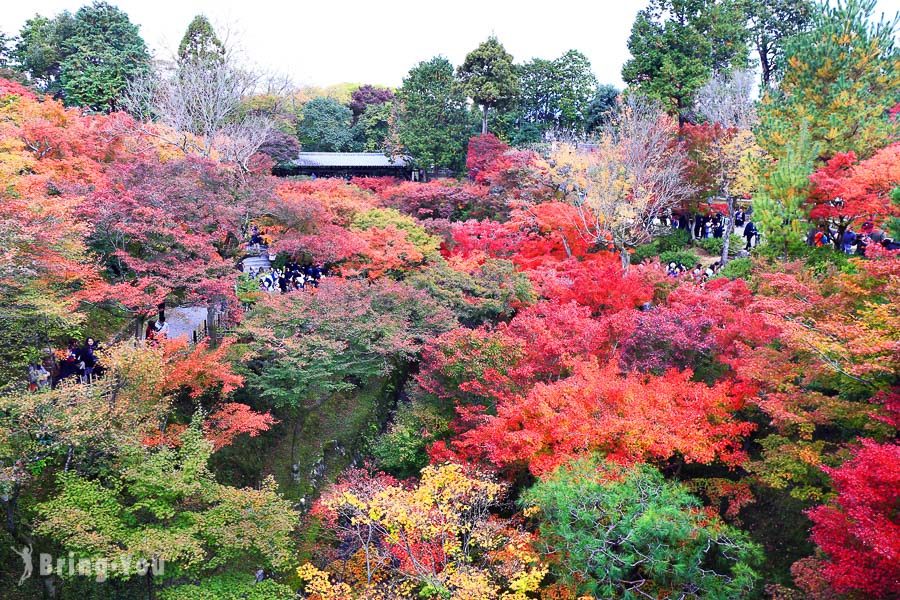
x=643 y=344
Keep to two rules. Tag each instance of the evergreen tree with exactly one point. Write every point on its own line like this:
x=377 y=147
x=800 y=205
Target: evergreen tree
x=557 y=94
x=41 y=47
x=771 y=22
x=326 y=127
x=200 y=42
x=489 y=77
x=677 y=44
x=617 y=531
x=104 y=52
x=602 y=106
x=841 y=80
x=779 y=205
x=433 y=124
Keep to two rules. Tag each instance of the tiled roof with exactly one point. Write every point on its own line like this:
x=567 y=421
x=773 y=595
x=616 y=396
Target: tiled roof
x=347 y=159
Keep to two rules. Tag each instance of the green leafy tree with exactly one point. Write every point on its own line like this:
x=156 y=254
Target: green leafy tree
x=770 y=23
x=602 y=106
x=41 y=47
x=841 y=79
x=627 y=532
x=677 y=44
x=373 y=126
x=166 y=504
x=200 y=42
x=433 y=124
x=5 y=50
x=326 y=127
x=779 y=205
x=489 y=77
x=229 y=586
x=557 y=94
x=306 y=346
x=104 y=53
x=490 y=292
x=403 y=448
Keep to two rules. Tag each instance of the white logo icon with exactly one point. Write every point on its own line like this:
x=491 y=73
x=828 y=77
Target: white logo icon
x=25 y=553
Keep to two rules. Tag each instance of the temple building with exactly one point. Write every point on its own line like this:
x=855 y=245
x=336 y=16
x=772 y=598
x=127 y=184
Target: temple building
x=347 y=164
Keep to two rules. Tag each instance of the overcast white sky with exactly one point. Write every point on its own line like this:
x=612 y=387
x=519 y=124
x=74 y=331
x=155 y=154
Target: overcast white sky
x=321 y=42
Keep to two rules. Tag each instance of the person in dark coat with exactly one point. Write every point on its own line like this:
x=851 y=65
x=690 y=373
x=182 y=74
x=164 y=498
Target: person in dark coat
x=749 y=233
x=69 y=365
x=847 y=241
x=88 y=359
x=718 y=226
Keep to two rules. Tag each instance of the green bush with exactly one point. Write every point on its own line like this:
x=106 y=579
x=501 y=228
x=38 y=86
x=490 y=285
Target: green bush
x=401 y=450
x=714 y=245
x=684 y=257
x=711 y=245
x=644 y=252
x=247 y=289
x=667 y=243
x=680 y=238
x=822 y=260
x=739 y=268
x=229 y=586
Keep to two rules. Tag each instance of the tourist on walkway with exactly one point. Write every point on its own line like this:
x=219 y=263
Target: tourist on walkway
x=847 y=241
x=749 y=233
x=88 y=359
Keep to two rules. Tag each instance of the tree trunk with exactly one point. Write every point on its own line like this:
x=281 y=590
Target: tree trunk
x=764 y=65
x=11 y=510
x=151 y=591
x=566 y=246
x=839 y=238
x=729 y=228
x=625 y=256
x=212 y=330
x=484 y=120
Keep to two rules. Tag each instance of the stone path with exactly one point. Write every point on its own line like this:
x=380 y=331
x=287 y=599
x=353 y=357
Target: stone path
x=184 y=320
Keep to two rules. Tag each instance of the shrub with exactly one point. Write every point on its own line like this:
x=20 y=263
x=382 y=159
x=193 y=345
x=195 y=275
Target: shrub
x=711 y=245
x=645 y=251
x=739 y=268
x=667 y=243
x=247 y=289
x=684 y=257
x=714 y=245
x=680 y=238
x=229 y=586
x=822 y=260
x=402 y=449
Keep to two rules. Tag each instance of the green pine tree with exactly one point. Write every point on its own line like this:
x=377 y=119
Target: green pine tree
x=200 y=42
x=841 y=79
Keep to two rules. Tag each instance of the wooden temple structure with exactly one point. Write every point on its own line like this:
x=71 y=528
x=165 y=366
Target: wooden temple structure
x=347 y=164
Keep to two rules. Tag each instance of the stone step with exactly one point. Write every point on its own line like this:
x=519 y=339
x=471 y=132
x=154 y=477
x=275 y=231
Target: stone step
x=256 y=263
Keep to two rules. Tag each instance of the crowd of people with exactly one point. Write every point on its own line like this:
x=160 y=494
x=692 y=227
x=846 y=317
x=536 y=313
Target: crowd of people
x=78 y=362
x=851 y=242
x=292 y=276
x=716 y=224
x=699 y=273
